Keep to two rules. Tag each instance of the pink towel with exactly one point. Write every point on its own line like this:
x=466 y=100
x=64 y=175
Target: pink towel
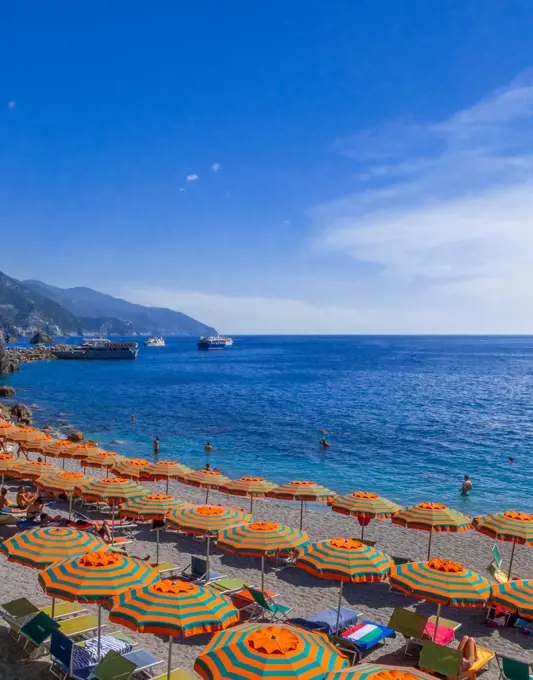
x=444 y=635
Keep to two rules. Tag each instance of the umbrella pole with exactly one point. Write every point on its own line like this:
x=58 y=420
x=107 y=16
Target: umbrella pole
x=63 y=463
x=207 y=569
x=251 y=503
x=169 y=672
x=99 y=642
x=362 y=532
x=2 y=479
x=70 y=507
x=511 y=562
x=168 y=478
x=157 y=547
x=206 y=495
x=53 y=606
x=301 y=514
x=262 y=573
x=339 y=608
x=112 y=524
x=436 y=623
x=429 y=544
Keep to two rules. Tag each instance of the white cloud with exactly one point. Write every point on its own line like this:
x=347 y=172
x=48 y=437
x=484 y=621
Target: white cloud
x=192 y=178
x=216 y=167
x=445 y=218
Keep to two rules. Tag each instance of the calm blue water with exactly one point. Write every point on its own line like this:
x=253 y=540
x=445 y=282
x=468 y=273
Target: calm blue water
x=415 y=413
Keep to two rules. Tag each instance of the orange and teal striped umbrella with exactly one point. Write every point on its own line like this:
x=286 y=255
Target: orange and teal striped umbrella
x=96 y=577
x=8 y=463
x=252 y=487
x=111 y=490
x=82 y=451
x=31 y=469
x=164 y=470
x=511 y=526
x=152 y=506
x=515 y=596
x=204 y=479
x=345 y=560
x=375 y=671
x=269 y=652
x=57 y=448
x=261 y=538
x=130 y=468
x=432 y=517
x=206 y=519
x=365 y=506
x=442 y=581
x=302 y=490
x=39 y=548
x=173 y=608
x=63 y=482
x=103 y=460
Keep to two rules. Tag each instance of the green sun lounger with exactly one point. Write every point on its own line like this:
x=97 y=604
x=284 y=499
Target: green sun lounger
x=513 y=669
x=35 y=632
x=278 y=612
x=176 y=674
x=409 y=624
x=113 y=667
x=447 y=662
x=79 y=625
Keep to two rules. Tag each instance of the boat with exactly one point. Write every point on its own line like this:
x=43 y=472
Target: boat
x=99 y=348
x=211 y=342
x=154 y=342
x=229 y=341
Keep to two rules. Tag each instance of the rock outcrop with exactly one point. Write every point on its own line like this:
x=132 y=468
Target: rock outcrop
x=7 y=391
x=22 y=413
x=75 y=436
x=40 y=338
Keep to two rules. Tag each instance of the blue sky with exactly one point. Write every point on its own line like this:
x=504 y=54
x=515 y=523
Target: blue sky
x=296 y=167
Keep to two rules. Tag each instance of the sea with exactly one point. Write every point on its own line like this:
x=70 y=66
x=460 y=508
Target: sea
x=406 y=417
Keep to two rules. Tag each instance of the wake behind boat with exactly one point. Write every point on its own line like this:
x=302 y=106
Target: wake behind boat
x=99 y=348
x=154 y=342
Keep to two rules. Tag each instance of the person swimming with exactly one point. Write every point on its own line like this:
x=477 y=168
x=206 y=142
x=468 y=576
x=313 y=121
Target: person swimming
x=324 y=443
x=466 y=487
x=209 y=447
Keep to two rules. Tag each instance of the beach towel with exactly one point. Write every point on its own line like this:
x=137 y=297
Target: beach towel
x=444 y=635
x=108 y=643
x=366 y=634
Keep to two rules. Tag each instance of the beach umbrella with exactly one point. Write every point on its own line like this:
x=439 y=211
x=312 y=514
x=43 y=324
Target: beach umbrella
x=515 y=596
x=204 y=479
x=164 y=470
x=345 y=560
x=95 y=578
x=252 y=487
x=365 y=506
x=511 y=526
x=27 y=439
x=103 y=460
x=130 y=468
x=81 y=451
x=8 y=463
x=32 y=469
x=301 y=490
x=270 y=652
x=376 y=671
x=206 y=520
x=111 y=490
x=39 y=548
x=442 y=581
x=57 y=448
x=63 y=482
x=173 y=608
x=153 y=506
x=260 y=539
x=432 y=517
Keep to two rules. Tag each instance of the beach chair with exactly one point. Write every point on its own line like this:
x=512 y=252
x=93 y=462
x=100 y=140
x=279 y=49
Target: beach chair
x=17 y=612
x=176 y=674
x=447 y=662
x=418 y=628
x=35 y=632
x=144 y=661
x=166 y=569
x=113 y=667
x=326 y=620
x=267 y=606
x=79 y=625
x=497 y=574
x=513 y=669
x=365 y=635
x=197 y=572
x=229 y=586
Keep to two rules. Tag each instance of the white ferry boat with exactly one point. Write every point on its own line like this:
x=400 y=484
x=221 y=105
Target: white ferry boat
x=99 y=348
x=154 y=342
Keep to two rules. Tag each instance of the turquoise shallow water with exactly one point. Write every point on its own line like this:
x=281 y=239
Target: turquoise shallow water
x=415 y=413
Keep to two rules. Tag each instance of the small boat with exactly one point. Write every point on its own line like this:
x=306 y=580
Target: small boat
x=154 y=342
x=211 y=342
x=99 y=348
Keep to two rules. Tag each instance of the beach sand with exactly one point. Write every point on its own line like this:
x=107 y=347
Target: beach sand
x=295 y=587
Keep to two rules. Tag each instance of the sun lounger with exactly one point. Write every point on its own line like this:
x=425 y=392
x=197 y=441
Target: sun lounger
x=117 y=635
x=418 y=628
x=197 y=572
x=71 y=660
x=513 y=669
x=229 y=586
x=176 y=674
x=143 y=660
x=365 y=635
x=266 y=607
x=166 y=569
x=446 y=661
x=326 y=621
x=35 y=632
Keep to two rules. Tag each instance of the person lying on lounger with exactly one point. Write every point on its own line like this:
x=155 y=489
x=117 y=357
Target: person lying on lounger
x=468 y=647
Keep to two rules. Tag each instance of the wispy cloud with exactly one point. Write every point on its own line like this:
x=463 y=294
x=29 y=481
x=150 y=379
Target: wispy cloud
x=192 y=178
x=445 y=208
x=216 y=167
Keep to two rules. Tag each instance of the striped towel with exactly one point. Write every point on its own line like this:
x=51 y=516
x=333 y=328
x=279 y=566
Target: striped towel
x=107 y=643
x=364 y=632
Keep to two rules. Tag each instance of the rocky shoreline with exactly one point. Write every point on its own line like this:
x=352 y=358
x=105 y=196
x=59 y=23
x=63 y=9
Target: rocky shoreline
x=11 y=357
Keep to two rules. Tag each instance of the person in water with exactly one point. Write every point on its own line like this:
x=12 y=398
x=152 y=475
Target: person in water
x=207 y=467
x=467 y=485
x=156 y=446
x=324 y=443
x=133 y=419
x=209 y=447
x=511 y=459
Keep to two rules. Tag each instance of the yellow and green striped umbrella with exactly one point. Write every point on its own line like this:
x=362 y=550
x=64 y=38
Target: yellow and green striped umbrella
x=374 y=671
x=130 y=468
x=173 y=608
x=204 y=479
x=269 y=652
x=302 y=490
x=432 y=517
x=515 y=596
x=345 y=560
x=259 y=539
x=96 y=577
x=252 y=487
x=511 y=526
x=152 y=506
x=63 y=482
x=442 y=581
x=206 y=520
x=365 y=506
x=164 y=470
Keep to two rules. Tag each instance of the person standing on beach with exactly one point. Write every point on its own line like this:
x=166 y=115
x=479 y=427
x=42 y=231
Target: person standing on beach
x=156 y=446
